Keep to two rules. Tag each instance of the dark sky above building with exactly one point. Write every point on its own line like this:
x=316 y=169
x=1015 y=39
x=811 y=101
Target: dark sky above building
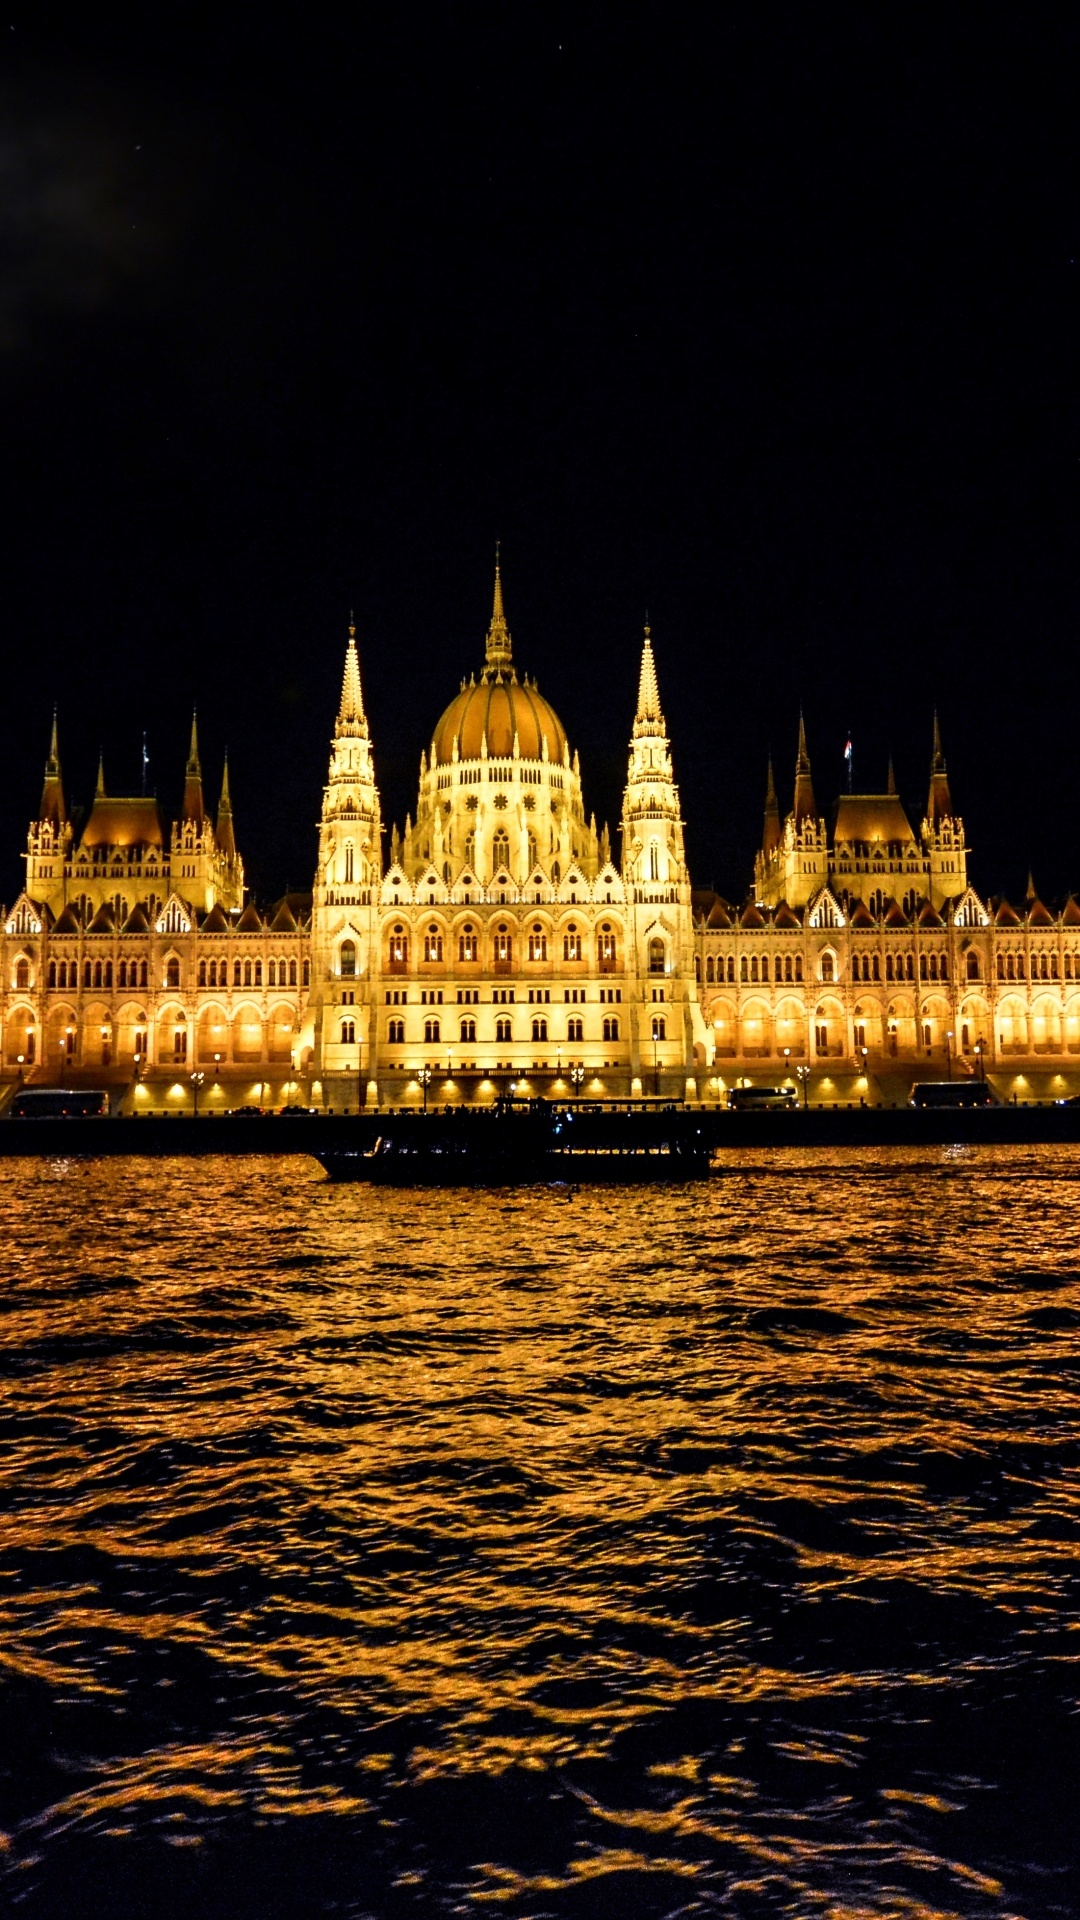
x=763 y=320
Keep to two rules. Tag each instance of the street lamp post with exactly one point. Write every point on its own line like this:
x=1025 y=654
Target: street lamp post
x=577 y=1076
x=22 y=1062
x=423 y=1074
x=948 y=1053
x=803 y=1076
x=980 y=1060
x=197 y=1079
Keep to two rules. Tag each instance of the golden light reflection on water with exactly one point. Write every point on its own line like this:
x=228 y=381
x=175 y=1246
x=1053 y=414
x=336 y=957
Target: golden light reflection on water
x=650 y=1552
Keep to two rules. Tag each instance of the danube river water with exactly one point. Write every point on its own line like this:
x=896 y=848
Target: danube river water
x=372 y=1553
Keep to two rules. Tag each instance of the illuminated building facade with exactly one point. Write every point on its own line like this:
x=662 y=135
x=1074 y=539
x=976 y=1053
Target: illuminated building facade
x=498 y=941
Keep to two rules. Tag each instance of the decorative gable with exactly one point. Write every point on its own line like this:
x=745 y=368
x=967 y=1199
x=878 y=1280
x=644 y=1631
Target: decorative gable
x=24 y=918
x=174 y=917
x=826 y=910
x=970 y=911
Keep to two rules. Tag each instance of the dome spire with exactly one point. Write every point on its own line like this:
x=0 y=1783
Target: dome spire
x=497 y=652
x=352 y=699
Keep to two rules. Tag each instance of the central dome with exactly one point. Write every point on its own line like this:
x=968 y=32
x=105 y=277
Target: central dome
x=498 y=707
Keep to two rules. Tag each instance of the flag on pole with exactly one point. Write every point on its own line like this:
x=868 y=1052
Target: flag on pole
x=848 y=757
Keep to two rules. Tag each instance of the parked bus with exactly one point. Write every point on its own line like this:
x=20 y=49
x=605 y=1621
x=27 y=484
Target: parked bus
x=765 y=1099
x=59 y=1103
x=952 y=1093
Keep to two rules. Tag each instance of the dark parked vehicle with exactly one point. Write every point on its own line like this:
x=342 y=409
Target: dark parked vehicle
x=764 y=1099
x=59 y=1103
x=952 y=1093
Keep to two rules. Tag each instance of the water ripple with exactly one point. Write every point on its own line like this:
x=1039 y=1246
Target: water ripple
x=387 y=1554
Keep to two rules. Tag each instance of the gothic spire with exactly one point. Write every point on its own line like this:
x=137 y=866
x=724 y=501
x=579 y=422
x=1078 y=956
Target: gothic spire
x=352 y=699
x=939 y=801
x=226 y=838
x=648 y=718
x=193 y=808
x=498 y=653
x=891 y=783
x=805 y=807
x=52 y=793
x=770 y=838
x=99 y=790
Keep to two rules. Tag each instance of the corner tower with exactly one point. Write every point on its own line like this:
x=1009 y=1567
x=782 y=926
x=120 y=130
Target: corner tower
x=343 y=924
x=669 y=1028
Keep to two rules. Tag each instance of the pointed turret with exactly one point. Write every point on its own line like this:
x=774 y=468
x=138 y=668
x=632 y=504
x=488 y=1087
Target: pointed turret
x=498 y=653
x=226 y=838
x=351 y=715
x=52 y=793
x=805 y=807
x=648 y=718
x=193 y=808
x=99 y=790
x=939 y=802
x=770 y=837
x=891 y=782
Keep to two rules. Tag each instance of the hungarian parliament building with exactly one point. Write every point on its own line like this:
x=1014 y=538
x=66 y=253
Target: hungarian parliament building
x=499 y=941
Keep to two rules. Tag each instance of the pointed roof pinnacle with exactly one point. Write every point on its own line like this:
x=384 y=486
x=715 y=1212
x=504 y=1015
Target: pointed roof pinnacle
x=770 y=838
x=648 y=713
x=193 y=808
x=99 y=790
x=224 y=833
x=891 y=783
x=939 y=800
x=52 y=795
x=498 y=652
x=352 y=699
x=805 y=806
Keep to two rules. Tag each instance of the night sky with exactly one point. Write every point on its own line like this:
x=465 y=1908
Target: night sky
x=763 y=319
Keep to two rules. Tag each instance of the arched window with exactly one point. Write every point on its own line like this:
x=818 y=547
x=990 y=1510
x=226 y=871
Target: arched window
x=502 y=1028
x=798 y=967
x=52 y=973
x=532 y=849
x=575 y=1029
x=399 y=947
x=611 y=1027
x=467 y=948
x=236 y=973
x=556 y=873
x=504 y=946
x=571 y=946
x=258 y=973
x=143 y=973
x=764 y=966
x=179 y=1046
x=470 y=847
x=537 y=942
x=247 y=973
x=888 y=966
x=271 y=973
x=654 y=860
x=172 y=972
x=876 y=967
x=347 y=959
x=539 y=1029
x=432 y=944
x=292 y=973
x=828 y=967
x=202 y=973
x=348 y=1032
x=659 y=1028
x=88 y=974
x=22 y=972
x=500 y=848
x=431 y=1031
x=710 y=970
x=348 y=862
x=658 y=955
x=753 y=964
x=468 y=1030
x=973 y=966
x=744 y=969
x=395 y=1033
x=605 y=947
